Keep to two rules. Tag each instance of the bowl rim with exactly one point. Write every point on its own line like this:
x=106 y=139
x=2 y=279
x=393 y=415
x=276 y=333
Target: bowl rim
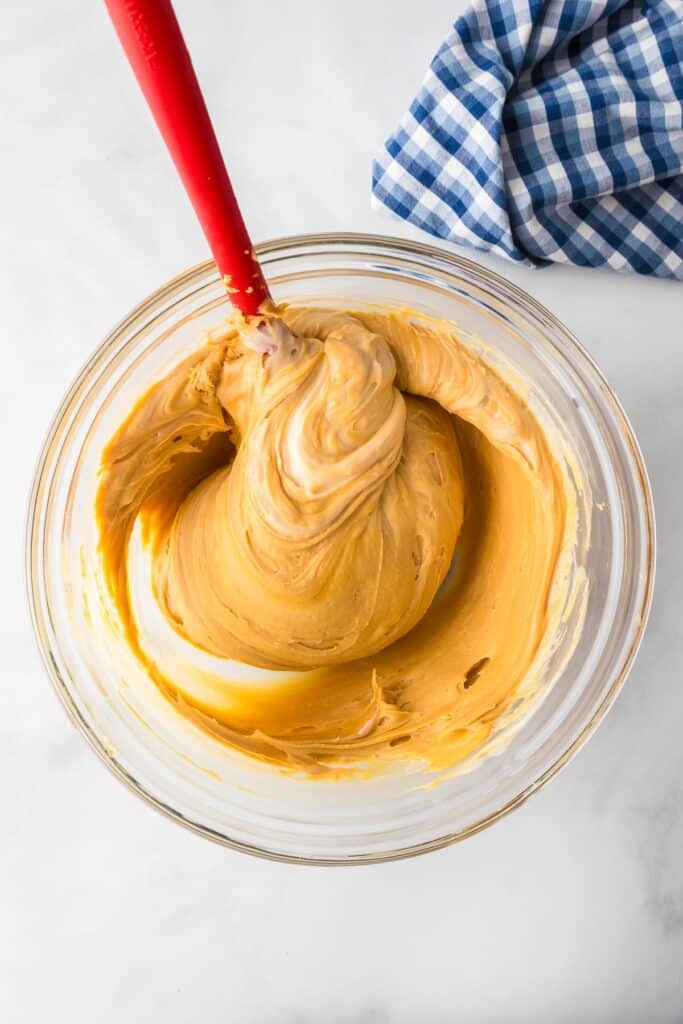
x=290 y=243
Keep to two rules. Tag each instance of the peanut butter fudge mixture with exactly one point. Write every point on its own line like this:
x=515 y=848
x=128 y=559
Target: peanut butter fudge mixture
x=356 y=500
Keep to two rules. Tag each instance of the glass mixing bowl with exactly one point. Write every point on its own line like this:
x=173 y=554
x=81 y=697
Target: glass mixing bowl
x=226 y=797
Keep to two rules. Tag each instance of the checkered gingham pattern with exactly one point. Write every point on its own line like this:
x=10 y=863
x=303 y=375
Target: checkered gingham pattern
x=550 y=130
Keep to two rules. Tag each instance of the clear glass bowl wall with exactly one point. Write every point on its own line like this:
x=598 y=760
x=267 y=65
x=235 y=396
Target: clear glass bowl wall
x=196 y=780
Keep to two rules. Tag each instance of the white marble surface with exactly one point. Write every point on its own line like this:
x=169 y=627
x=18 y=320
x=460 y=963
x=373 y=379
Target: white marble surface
x=569 y=910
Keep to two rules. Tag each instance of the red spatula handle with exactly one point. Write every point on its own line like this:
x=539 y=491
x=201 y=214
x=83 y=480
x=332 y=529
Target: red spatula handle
x=154 y=45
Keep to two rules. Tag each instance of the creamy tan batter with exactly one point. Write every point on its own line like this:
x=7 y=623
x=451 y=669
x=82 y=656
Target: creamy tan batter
x=302 y=485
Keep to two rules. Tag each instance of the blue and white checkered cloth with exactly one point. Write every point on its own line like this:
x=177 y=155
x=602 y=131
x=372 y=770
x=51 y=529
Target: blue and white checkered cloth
x=550 y=130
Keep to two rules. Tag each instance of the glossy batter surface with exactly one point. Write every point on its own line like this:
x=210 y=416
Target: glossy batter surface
x=303 y=486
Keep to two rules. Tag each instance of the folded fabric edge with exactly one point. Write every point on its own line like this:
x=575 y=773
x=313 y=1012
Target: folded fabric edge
x=403 y=205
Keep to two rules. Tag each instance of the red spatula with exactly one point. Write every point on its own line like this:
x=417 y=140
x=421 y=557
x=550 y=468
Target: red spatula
x=154 y=45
